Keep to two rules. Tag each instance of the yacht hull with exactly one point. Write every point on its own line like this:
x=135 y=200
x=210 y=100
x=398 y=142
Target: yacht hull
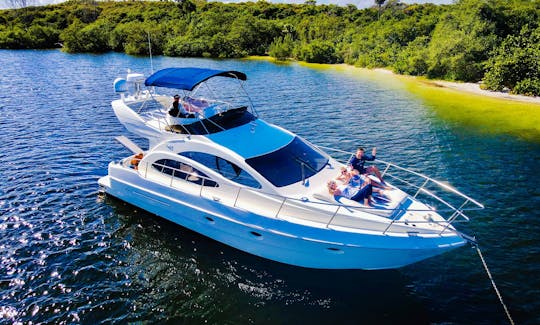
x=275 y=239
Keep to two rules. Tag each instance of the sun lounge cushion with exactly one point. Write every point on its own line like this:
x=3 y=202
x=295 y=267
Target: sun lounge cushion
x=381 y=207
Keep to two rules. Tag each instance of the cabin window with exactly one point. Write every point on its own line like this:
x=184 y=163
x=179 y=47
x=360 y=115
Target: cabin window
x=293 y=163
x=183 y=171
x=224 y=167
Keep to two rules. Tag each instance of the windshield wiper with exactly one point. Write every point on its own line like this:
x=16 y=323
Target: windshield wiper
x=305 y=163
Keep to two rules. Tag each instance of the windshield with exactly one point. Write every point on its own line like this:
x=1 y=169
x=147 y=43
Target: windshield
x=293 y=163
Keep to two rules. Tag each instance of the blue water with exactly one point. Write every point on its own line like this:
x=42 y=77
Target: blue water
x=69 y=255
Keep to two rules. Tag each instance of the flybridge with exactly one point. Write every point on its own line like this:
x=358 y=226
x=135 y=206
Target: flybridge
x=208 y=104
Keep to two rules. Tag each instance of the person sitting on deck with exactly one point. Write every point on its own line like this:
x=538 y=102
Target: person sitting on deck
x=359 y=159
x=344 y=175
x=354 y=179
x=135 y=160
x=361 y=194
x=178 y=110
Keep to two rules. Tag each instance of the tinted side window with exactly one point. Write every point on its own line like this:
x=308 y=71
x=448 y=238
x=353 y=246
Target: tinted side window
x=183 y=171
x=224 y=167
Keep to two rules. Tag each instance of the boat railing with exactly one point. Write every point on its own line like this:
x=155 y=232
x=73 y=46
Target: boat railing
x=323 y=213
x=416 y=184
x=150 y=108
x=154 y=108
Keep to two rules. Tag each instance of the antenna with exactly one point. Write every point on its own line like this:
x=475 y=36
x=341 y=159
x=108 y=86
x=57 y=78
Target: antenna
x=150 y=51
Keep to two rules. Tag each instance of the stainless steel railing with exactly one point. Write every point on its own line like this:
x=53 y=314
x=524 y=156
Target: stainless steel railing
x=420 y=186
x=151 y=107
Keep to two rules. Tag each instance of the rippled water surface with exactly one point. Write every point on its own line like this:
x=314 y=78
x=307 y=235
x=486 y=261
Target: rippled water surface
x=69 y=255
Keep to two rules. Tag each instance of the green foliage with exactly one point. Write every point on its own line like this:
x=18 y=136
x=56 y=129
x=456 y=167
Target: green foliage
x=187 y=47
x=282 y=47
x=320 y=27
x=412 y=60
x=222 y=46
x=318 y=52
x=86 y=13
x=515 y=64
x=469 y=40
x=13 y=38
x=79 y=37
x=528 y=86
x=41 y=36
x=461 y=42
x=385 y=43
x=252 y=35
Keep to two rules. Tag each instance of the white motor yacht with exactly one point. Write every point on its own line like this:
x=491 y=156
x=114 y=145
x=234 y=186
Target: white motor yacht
x=218 y=169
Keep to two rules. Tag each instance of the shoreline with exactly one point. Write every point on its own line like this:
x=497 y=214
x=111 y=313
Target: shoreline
x=462 y=87
x=465 y=104
x=465 y=87
x=474 y=88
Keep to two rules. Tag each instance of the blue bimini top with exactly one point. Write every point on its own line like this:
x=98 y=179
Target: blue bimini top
x=188 y=78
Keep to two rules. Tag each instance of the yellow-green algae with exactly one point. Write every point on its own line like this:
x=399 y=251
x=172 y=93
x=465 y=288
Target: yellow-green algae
x=483 y=113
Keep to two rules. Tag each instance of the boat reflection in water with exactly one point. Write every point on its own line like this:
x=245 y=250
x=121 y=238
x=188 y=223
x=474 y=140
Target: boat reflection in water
x=218 y=169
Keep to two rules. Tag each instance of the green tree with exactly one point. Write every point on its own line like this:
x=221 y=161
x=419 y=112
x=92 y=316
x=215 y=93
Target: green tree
x=515 y=64
x=71 y=37
x=461 y=42
x=13 y=38
x=318 y=52
x=412 y=59
x=282 y=47
x=42 y=37
x=252 y=35
x=80 y=37
x=188 y=47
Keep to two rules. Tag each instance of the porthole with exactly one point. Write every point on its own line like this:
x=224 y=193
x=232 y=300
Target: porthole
x=256 y=235
x=335 y=250
x=210 y=220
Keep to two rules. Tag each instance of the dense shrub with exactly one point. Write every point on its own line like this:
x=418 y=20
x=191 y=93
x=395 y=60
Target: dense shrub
x=318 y=52
x=528 y=86
x=79 y=37
x=13 y=38
x=412 y=60
x=187 y=47
x=282 y=47
x=461 y=42
x=515 y=64
x=41 y=36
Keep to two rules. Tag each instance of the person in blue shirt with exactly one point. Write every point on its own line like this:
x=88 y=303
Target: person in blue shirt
x=359 y=159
